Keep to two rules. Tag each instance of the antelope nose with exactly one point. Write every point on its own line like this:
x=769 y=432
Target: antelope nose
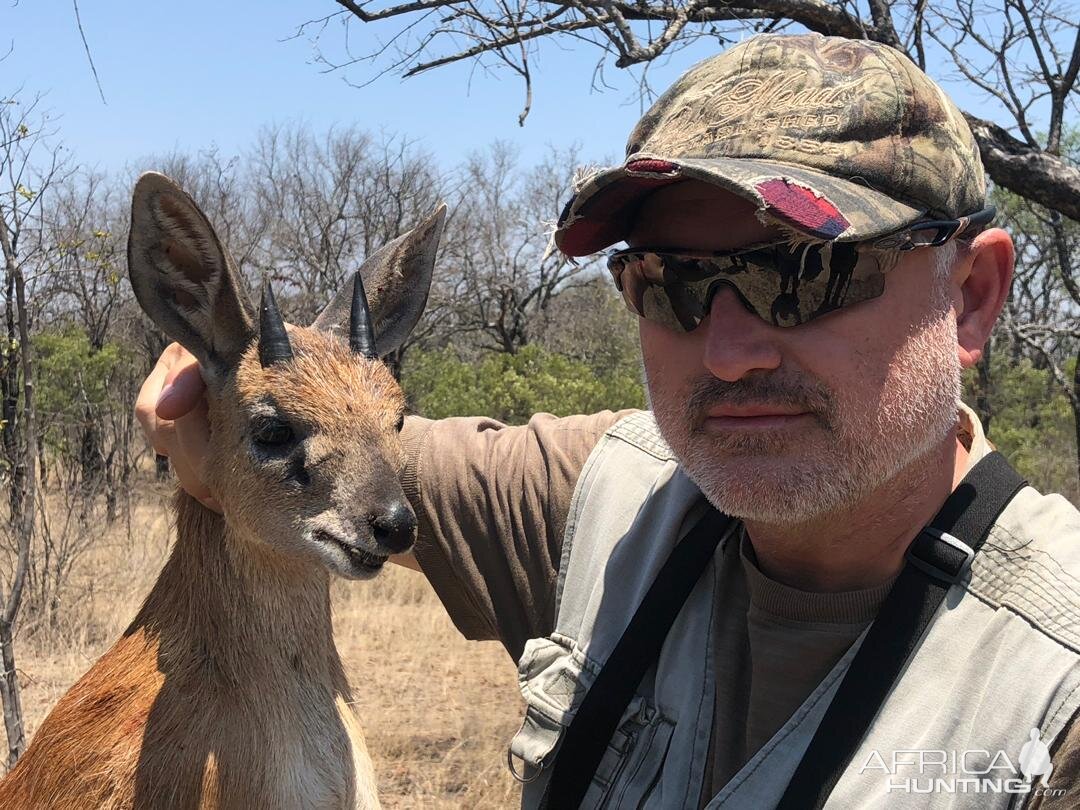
x=395 y=528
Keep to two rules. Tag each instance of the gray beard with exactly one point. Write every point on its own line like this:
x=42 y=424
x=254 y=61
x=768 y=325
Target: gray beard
x=857 y=446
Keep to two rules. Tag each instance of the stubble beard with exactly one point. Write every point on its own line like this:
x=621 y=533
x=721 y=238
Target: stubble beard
x=852 y=447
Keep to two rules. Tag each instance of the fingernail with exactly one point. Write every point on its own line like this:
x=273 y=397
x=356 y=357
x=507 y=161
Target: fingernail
x=166 y=393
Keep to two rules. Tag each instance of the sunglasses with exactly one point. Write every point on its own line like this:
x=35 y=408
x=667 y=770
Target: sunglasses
x=784 y=285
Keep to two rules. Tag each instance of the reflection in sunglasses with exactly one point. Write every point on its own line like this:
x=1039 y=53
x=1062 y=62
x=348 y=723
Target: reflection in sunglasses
x=783 y=285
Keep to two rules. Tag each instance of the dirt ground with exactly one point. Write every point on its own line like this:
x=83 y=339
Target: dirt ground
x=438 y=711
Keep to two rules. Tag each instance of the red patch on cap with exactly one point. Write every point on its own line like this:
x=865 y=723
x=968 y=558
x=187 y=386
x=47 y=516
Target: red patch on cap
x=652 y=166
x=803 y=208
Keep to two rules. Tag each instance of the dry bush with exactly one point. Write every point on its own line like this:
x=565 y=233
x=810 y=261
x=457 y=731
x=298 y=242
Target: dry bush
x=438 y=711
x=104 y=588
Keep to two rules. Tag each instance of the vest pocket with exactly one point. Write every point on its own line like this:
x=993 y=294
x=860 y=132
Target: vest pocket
x=554 y=677
x=630 y=768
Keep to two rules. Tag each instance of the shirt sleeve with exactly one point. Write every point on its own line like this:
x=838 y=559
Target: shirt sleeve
x=491 y=503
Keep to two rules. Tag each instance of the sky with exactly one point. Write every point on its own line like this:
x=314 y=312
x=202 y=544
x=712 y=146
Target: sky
x=192 y=75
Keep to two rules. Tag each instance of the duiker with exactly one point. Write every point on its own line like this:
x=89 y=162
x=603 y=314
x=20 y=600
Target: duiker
x=227 y=691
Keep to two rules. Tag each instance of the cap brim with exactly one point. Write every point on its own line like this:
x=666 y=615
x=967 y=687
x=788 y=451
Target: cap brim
x=817 y=205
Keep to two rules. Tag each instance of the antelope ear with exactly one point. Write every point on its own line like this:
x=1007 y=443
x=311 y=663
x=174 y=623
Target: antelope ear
x=397 y=278
x=183 y=278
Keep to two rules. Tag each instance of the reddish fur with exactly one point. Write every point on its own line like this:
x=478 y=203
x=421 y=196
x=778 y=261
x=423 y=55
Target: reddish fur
x=226 y=691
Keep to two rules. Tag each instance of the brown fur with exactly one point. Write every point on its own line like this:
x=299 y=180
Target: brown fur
x=226 y=691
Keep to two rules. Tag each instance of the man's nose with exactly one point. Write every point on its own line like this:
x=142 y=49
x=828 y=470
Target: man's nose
x=737 y=341
x=394 y=528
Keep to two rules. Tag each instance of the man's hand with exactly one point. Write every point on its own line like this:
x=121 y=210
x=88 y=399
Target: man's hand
x=172 y=411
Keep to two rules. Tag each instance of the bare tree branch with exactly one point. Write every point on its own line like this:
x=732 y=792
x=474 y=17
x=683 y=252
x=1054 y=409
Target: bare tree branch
x=1012 y=50
x=86 y=47
x=881 y=14
x=1012 y=164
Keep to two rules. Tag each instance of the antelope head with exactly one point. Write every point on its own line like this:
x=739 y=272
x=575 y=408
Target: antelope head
x=305 y=450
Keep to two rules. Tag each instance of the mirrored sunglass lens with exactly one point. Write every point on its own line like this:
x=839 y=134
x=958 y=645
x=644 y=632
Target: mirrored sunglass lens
x=679 y=304
x=784 y=286
x=674 y=305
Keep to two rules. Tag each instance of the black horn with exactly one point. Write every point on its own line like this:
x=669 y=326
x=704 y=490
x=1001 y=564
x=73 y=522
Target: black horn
x=361 y=333
x=273 y=339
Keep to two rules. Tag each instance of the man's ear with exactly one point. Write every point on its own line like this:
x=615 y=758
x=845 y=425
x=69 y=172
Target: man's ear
x=397 y=278
x=183 y=278
x=985 y=279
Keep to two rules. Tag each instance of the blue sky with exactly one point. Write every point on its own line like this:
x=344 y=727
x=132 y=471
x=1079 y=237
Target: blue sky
x=194 y=74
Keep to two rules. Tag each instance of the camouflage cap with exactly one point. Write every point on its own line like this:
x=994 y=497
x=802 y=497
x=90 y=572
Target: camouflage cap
x=834 y=139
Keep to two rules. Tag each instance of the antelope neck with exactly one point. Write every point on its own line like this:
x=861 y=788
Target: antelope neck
x=225 y=612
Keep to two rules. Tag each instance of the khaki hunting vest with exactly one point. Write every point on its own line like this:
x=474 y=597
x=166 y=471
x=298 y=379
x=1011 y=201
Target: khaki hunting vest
x=1001 y=658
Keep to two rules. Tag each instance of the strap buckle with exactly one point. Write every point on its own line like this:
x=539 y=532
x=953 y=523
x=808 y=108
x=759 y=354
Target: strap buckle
x=523 y=777
x=937 y=562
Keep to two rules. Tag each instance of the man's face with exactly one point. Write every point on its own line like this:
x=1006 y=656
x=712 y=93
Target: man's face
x=868 y=388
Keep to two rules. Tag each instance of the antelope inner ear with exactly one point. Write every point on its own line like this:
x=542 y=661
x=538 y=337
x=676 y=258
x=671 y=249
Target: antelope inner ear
x=397 y=278
x=184 y=279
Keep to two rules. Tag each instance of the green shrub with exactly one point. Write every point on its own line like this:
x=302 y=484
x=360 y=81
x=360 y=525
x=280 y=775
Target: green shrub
x=1032 y=424
x=512 y=387
x=76 y=385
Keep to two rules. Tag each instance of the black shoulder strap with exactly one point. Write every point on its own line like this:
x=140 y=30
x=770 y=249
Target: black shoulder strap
x=588 y=734
x=937 y=558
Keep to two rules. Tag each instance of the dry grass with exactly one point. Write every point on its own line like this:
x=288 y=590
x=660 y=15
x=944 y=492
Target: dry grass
x=438 y=711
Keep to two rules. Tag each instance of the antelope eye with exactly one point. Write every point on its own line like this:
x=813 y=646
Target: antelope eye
x=271 y=432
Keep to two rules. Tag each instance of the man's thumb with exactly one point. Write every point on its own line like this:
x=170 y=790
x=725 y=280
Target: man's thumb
x=183 y=389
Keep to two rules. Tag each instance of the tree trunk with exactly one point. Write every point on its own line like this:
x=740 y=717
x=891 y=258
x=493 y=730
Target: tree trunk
x=10 y=385
x=1074 y=400
x=91 y=459
x=24 y=488
x=43 y=464
x=9 y=693
x=111 y=499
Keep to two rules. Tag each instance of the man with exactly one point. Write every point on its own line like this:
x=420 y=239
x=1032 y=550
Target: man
x=803 y=330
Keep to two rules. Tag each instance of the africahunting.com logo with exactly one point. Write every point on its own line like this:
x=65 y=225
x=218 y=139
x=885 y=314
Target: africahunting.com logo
x=976 y=770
